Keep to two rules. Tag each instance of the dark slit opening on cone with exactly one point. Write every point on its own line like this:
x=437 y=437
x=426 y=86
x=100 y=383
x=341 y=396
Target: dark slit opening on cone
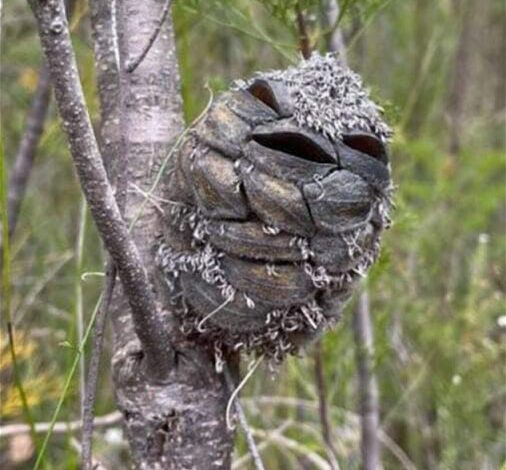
x=368 y=144
x=295 y=144
x=273 y=94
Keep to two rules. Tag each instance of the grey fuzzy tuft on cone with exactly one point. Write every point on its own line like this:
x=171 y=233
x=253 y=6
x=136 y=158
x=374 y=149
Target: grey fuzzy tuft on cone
x=328 y=97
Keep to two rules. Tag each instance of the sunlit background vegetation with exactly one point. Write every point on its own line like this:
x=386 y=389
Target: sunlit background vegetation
x=437 y=292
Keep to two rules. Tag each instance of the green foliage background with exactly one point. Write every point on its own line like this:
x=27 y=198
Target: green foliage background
x=437 y=292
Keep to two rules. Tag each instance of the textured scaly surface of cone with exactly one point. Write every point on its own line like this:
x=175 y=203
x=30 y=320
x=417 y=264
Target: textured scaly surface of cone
x=277 y=201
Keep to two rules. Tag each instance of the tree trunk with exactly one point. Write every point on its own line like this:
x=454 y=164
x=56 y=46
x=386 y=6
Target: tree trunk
x=178 y=424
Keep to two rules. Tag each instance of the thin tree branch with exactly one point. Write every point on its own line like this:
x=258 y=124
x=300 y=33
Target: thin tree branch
x=91 y=383
x=304 y=45
x=322 y=403
x=250 y=440
x=294 y=446
x=95 y=463
x=333 y=15
x=61 y=427
x=351 y=418
x=55 y=39
x=459 y=84
x=106 y=51
x=41 y=283
x=28 y=144
x=368 y=387
x=132 y=65
x=244 y=459
x=396 y=451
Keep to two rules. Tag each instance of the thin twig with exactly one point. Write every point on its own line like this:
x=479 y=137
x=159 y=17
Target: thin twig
x=255 y=454
x=356 y=36
x=322 y=403
x=132 y=65
x=261 y=36
x=55 y=39
x=106 y=50
x=367 y=387
x=305 y=46
x=79 y=298
x=91 y=383
x=60 y=427
x=342 y=9
x=244 y=459
x=351 y=418
x=235 y=392
x=95 y=463
x=459 y=86
x=23 y=162
x=281 y=440
x=333 y=16
x=30 y=140
x=152 y=198
x=397 y=451
x=39 y=286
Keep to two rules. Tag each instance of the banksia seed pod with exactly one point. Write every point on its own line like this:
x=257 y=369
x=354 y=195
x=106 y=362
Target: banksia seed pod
x=277 y=199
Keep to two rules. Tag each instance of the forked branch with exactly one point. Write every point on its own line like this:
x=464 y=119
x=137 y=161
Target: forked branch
x=55 y=39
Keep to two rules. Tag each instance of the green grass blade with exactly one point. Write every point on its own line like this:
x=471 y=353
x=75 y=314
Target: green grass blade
x=79 y=249
x=67 y=385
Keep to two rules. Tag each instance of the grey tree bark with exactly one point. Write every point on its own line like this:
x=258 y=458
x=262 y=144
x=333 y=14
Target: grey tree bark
x=172 y=401
x=179 y=424
x=55 y=39
x=107 y=72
